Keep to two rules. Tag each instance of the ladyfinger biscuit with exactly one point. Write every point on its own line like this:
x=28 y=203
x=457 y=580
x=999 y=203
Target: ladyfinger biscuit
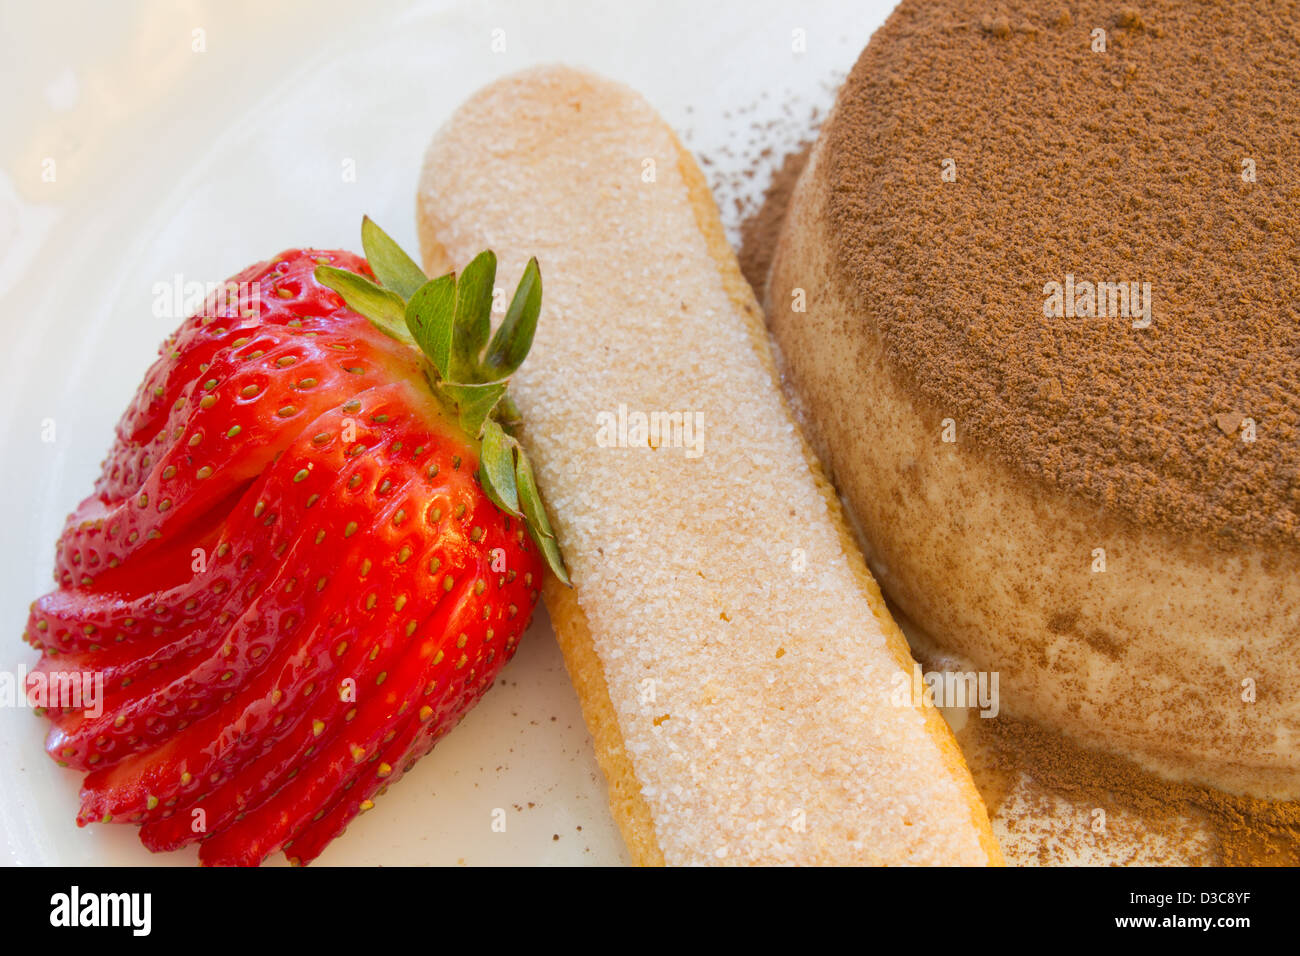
x=735 y=661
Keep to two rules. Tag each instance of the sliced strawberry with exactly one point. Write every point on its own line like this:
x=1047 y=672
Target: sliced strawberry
x=311 y=491
x=335 y=508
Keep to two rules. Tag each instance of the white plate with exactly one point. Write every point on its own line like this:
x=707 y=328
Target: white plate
x=169 y=160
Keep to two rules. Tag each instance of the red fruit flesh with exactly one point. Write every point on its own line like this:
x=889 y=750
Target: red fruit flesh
x=288 y=577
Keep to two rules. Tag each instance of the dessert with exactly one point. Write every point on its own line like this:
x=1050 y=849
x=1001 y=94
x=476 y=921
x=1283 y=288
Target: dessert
x=313 y=545
x=1049 y=354
x=733 y=657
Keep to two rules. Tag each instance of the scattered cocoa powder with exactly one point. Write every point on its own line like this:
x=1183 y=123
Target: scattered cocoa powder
x=1245 y=830
x=759 y=232
x=1171 y=158
x=1005 y=752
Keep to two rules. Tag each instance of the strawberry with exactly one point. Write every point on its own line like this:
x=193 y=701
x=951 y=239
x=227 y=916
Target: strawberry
x=314 y=543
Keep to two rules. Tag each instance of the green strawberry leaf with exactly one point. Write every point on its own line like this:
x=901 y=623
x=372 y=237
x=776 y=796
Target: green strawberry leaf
x=507 y=412
x=497 y=468
x=509 y=346
x=474 y=403
x=393 y=267
x=473 y=317
x=429 y=316
x=384 y=309
x=539 y=526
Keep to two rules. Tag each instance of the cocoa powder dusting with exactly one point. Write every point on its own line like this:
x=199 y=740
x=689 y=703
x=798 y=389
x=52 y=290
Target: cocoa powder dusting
x=759 y=232
x=1246 y=831
x=1172 y=158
